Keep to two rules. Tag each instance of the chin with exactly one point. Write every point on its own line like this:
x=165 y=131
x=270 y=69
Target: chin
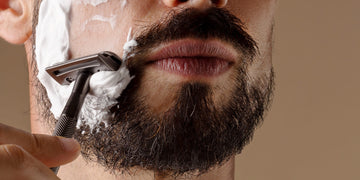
x=159 y=89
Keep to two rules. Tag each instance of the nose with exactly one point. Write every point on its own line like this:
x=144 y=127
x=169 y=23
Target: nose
x=200 y=4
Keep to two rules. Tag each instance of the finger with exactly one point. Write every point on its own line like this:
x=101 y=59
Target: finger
x=50 y=150
x=16 y=163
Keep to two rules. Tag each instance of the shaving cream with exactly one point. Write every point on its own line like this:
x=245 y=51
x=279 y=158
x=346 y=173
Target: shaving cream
x=92 y=2
x=111 y=20
x=52 y=46
x=123 y=4
x=98 y=2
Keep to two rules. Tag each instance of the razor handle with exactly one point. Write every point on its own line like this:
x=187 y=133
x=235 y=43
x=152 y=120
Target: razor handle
x=65 y=128
x=66 y=124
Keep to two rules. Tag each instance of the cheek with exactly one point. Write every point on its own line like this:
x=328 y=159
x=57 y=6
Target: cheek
x=158 y=91
x=258 y=17
x=101 y=28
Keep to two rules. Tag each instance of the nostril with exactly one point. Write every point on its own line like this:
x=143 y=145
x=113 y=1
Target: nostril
x=178 y=2
x=4 y=5
x=219 y=3
x=196 y=3
x=173 y=3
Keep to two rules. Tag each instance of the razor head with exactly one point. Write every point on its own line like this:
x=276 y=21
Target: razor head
x=66 y=72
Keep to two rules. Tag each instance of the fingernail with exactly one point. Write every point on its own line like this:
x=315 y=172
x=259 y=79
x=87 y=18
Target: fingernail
x=69 y=144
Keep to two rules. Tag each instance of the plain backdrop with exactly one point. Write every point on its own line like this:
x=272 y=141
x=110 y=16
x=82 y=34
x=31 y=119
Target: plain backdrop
x=312 y=131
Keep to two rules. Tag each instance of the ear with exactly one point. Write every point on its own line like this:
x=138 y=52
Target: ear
x=16 y=20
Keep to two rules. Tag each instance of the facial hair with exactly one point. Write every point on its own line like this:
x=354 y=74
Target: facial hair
x=195 y=134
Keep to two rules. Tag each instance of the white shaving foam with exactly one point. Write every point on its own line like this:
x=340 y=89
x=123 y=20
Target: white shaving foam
x=129 y=45
x=111 y=20
x=92 y=2
x=123 y=4
x=98 y=2
x=52 y=46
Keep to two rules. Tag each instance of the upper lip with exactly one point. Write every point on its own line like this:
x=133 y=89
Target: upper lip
x=188 y=48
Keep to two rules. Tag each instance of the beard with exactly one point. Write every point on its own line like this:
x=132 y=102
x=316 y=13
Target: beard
x=192 y=137
x=195 y=133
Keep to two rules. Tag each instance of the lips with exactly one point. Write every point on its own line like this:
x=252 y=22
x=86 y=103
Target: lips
x=193 y=58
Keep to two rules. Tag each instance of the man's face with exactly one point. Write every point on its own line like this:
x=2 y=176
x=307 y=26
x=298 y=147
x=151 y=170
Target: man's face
x=202 y=79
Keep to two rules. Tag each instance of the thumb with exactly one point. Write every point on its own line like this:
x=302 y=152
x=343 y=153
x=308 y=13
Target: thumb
x=51 y=150
x=54 y=150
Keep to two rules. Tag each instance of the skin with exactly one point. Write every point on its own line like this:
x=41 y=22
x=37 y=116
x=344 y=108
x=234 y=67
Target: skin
x=30 y=155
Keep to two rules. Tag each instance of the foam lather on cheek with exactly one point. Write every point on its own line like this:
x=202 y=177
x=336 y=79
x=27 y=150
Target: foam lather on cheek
x=92 y=2
x=98 y=2
x=52 y=46
x=111 y=20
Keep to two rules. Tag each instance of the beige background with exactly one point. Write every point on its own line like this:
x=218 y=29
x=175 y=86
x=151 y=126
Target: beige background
x=312 y=131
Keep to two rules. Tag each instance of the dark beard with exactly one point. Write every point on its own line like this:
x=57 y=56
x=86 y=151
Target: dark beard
x=193 y=135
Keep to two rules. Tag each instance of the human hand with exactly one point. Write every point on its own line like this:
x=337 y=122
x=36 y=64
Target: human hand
x=29 y=156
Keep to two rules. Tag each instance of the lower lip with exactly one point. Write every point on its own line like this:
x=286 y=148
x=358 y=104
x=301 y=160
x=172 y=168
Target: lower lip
x=193 y=66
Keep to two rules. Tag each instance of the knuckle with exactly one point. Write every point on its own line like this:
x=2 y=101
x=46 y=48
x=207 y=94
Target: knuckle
x=35 y=144
x=14 y=155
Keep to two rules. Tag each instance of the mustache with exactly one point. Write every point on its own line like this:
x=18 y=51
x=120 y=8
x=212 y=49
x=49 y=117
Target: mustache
x=217 y=23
